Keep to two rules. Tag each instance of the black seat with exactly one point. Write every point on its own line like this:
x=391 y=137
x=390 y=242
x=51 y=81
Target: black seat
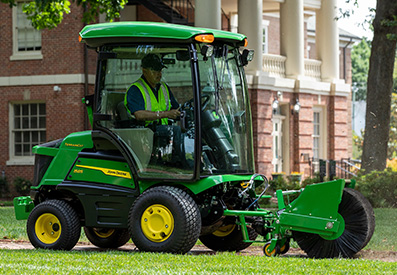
x=124 y=119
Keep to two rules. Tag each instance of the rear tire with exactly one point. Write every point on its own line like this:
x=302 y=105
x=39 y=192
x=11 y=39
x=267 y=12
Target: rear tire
x=107 y=237
x=164 y=219
x=53 y=224
x=359 y=227
x=228 y=238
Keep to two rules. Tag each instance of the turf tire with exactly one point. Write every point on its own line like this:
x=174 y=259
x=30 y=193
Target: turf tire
x=69 y=225
x=186 y=217
x=231 y=242
x=118 y=237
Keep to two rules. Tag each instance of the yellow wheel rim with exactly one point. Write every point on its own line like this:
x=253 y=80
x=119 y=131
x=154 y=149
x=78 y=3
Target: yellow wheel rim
x=157 y=223
x=271 y=253
x=224 y=230
x=103 y=232
x=48 y=228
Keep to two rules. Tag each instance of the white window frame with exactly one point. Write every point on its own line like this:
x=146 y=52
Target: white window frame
x=322 y=135
x=13 y=159
x=16 y=54
x=265 y=39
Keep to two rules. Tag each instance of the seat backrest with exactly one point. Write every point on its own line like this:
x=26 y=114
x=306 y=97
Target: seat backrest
x=122 y=111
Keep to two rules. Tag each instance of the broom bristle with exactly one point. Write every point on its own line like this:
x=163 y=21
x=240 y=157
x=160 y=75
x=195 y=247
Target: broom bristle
x=359 y=226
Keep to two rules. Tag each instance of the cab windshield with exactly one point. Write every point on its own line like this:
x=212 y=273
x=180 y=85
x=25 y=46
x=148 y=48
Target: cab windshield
x=226 y=117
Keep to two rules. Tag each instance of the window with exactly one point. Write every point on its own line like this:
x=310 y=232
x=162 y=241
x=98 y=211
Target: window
x=319 y=135
x=316 y=135
x=28 y=128
x=26 y=39
x=265 y=38
x=277 y=143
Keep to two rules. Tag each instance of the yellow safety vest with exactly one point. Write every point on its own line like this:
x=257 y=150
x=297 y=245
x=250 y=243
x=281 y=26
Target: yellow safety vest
x=151 y=103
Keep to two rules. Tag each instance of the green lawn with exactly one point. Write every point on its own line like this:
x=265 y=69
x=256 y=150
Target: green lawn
x=110 y=262
x=384 y=238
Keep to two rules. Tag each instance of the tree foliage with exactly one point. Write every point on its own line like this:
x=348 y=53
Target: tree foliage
x=360 y=66
x=47 y=14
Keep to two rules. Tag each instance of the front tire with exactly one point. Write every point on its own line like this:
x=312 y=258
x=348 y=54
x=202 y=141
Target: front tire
x=53 y=224
x=228 y=238
x=164 y=219
x=107 y=237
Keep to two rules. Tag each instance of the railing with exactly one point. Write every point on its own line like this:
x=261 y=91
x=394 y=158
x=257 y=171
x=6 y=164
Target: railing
x=345 y=168
x=313 y=69
x=274 y=65
x=183 y=8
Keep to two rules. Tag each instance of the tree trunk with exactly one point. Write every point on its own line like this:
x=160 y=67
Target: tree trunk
x=380 y=84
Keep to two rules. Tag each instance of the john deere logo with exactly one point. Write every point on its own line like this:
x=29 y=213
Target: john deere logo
x=108 y=172
x=74 y=145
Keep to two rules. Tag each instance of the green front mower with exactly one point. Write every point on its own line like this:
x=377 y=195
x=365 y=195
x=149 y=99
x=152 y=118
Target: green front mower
x=195 y=180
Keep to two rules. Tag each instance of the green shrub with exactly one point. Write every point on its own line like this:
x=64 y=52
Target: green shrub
x=4 y=190
x=308 y=181
x=379 y=187
x=22 y=186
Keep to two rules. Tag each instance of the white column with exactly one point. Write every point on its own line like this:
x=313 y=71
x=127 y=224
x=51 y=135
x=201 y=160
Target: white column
x=327 y=40
x=207 y=14
x=250 y=14
x=292 y=37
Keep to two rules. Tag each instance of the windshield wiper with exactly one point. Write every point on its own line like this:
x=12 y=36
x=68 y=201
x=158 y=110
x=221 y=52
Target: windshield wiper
x=219 y=87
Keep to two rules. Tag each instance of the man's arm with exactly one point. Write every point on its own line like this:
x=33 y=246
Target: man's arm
x=145 y=115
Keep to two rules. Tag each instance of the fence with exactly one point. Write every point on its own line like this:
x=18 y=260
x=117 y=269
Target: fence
x=345 y=168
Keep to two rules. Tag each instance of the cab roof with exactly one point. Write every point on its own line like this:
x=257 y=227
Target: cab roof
x=124 y=32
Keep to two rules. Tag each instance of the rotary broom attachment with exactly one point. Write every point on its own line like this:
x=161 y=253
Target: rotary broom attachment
x=359 y=225
x=327 y=220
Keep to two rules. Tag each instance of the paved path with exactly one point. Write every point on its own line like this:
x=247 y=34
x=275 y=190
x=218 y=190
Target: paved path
x=387 y=256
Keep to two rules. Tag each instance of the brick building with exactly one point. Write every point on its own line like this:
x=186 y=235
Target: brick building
x=44 y=75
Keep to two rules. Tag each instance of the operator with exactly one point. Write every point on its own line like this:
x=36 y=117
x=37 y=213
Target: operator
x=151 y=101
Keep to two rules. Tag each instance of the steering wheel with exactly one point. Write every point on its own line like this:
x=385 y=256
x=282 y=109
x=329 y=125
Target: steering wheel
x=205 y=99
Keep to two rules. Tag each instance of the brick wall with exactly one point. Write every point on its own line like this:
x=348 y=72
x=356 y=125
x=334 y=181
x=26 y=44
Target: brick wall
x=273 y=34
x=300 y=139
x=62 y=54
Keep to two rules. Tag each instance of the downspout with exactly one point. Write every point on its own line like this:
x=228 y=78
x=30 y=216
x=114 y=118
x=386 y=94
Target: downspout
x=344 y=58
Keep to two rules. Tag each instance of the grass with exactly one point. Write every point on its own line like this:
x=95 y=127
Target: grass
x=109 y=262
x=384 y=238
x=6 y=203
x=112 y=262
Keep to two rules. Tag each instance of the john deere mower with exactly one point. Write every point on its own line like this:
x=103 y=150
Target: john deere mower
x=165 y=191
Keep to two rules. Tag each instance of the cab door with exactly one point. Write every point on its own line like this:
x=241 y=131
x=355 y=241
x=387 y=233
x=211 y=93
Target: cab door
x=166 y=152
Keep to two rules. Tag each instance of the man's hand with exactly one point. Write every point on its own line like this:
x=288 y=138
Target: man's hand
x=173 y=114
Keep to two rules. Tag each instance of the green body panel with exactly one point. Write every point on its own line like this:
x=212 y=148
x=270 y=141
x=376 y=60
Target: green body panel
x=202 y=184
x=64 y=156
x=314 y=211
x=318 y=200
x=153 y=30
x=22 y=207
x=103 y=171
